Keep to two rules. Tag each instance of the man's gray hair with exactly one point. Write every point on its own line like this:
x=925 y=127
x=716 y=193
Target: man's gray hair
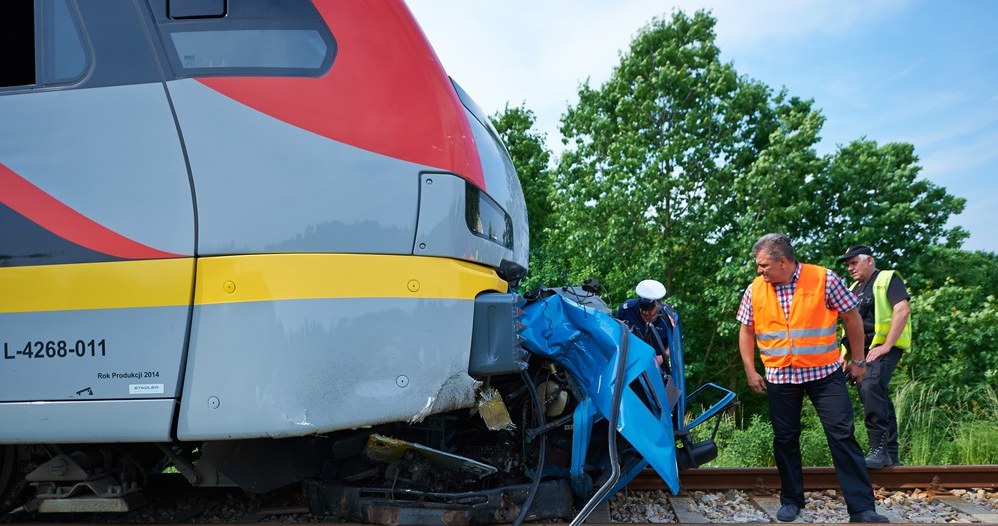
x=775 y=246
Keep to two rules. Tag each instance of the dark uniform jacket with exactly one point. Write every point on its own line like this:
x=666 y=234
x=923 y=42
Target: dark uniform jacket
x=656 y=333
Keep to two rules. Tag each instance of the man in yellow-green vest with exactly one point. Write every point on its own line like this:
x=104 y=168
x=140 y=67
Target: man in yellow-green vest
x=883 y=305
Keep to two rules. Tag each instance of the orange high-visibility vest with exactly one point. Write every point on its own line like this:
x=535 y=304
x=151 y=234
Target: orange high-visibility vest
x=808 y=339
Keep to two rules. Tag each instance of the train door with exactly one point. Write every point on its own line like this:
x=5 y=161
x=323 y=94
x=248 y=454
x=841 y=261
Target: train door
x=97 y=232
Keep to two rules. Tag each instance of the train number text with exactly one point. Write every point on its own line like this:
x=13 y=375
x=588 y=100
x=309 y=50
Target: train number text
x=56 y=349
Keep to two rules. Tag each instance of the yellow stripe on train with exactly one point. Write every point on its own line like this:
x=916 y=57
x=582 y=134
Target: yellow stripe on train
x=267 y=277
x=85 y=286
x=237 y=279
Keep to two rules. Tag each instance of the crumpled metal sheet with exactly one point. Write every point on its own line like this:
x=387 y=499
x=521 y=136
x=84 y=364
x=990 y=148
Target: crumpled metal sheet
x=493 y=410
x=456 y=393
x=586 y=341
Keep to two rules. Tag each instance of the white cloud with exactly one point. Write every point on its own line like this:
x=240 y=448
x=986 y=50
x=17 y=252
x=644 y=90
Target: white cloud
x=960 y=125
x=741 y=24
x=974 y=152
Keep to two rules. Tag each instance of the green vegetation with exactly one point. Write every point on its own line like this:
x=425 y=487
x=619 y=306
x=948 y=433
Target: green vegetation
x=934 y=431
x=955 y=329
x=931 y=432
x=677 y=163
x=753 y=445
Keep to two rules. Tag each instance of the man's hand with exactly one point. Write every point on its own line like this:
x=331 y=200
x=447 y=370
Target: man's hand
x=877 y=352
x=755 y=381
x=856 y=372
x=746 y=346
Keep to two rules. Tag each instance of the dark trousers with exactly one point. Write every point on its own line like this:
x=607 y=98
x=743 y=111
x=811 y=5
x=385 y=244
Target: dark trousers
x=881 y=421
x=831 y=400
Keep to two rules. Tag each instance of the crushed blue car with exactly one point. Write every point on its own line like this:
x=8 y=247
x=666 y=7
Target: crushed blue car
x=620 y=382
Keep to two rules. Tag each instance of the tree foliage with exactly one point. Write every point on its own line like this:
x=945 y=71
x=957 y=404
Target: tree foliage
x=942 y=265
x=652 y=154
x=876 y=199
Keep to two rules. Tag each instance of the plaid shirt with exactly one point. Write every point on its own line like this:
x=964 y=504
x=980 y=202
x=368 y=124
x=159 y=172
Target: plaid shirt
x=837 y=298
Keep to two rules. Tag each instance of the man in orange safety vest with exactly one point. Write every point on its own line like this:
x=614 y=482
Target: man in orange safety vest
x=790 y=312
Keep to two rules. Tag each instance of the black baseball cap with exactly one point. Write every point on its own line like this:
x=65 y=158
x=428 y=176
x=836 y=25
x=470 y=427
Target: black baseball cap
x=854 y=251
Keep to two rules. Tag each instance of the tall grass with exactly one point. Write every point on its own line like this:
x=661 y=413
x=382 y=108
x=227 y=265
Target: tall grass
x=930 y=432
x=935 y=433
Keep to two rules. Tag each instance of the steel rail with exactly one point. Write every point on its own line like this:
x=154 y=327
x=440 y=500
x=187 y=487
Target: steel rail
x=823 y=477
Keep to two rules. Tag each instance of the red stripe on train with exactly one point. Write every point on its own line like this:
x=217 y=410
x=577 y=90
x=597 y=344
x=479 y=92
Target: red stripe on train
x=53 y=215
x=386 y=91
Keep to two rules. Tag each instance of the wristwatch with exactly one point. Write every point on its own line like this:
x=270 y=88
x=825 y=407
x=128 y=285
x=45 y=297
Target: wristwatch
x=861 y=363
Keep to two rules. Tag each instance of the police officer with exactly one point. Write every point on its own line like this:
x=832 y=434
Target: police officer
x=649 y=319
x=883 y=305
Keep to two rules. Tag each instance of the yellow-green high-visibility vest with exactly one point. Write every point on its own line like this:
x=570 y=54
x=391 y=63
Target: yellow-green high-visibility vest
x=882 y=311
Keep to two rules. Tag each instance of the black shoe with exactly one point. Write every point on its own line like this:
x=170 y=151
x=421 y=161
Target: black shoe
x=868 y=516
x=788 y=512
x=878 y=458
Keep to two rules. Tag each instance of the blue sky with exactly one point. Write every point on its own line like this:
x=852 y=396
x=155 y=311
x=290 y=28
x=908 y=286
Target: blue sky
x=917 y=71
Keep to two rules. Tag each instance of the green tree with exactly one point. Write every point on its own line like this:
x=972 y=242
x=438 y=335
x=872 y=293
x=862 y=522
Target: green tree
x=941 y=265
x=873 y=196
x=658 y=179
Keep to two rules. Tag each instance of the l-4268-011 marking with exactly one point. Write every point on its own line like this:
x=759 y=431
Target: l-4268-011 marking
x=58 y=349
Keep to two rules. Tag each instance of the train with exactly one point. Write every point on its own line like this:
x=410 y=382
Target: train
x=261 y=243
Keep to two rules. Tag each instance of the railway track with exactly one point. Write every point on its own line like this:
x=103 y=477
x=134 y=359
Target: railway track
x=753 y=488
x=936 y=478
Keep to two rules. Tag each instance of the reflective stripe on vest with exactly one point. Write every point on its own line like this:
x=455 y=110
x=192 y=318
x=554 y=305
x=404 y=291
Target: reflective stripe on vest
x=808 y=338
x=796 y=333
x=810 y=349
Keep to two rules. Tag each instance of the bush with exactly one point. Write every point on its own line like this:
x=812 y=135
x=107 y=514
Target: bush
x=952 y=331
x=752 y=446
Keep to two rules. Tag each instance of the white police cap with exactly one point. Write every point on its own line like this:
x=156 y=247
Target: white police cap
x=650 y=289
